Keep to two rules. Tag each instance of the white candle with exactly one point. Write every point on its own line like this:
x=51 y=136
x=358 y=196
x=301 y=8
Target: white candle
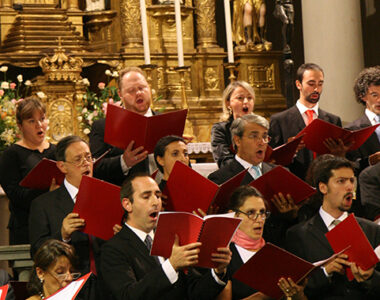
x=177 y=9
x=144 y=26
x=227 y=16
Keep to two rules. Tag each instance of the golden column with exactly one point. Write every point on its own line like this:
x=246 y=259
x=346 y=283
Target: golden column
x=206 y=25
x=131 y=36
x=6 y=4
x=72 y=5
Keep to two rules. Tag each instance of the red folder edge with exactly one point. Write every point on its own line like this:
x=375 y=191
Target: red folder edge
x=85 y=277
x=285 y=152
x=4 y=291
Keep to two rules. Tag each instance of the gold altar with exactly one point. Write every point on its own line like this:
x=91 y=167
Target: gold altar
x=63 y=37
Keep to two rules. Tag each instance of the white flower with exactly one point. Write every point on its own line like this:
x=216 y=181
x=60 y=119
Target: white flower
x=80 y=118
x=28 y=83
x=41 y=95
x=19 y=78
x=5 y=85
x=86 y=82
x=115 y=74
x=90 y=116
x=84 y=110
x=3 y=69
x=86 y=131
x=108 y=73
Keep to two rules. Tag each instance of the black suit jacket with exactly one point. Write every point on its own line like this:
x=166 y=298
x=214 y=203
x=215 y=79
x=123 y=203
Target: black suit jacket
x=109 y=168
x=221 y=142
x=307 y=240
x=289 y=123
x=129 y=272
x=370 y=146
x=369 y=181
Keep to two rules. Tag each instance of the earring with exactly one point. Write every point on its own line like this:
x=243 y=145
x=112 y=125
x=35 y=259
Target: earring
x=229 y=109
x=42 y=280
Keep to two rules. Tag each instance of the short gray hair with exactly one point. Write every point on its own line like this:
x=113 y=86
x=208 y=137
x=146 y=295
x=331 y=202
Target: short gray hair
x=238 y=125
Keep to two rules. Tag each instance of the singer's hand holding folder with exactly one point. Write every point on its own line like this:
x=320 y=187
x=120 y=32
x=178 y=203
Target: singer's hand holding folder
x=349 y=233
x=318 y=131
x=187 y=190
x=98 y=203
x=123 y=126
x=190 y=229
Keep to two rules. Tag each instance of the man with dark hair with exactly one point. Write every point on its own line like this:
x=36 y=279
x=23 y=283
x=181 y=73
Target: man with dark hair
x=367 y=92
x=129 y=271
x=167 y=151
x=335 y=181
x=136 y=96
x=51 y=215
x=285 y=125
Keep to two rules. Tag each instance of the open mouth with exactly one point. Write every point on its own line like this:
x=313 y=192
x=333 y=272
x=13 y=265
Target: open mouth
x=349 y=197
x=40 y=133
x=258 y=229
x=154 y=215
x=139 y=101
x=245 y=109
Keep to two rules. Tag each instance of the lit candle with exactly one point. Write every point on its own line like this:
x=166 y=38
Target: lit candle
x=177 y=9
x=144 y=26
x=227 y=16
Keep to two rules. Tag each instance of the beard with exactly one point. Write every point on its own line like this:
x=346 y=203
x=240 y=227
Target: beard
x=313 y=100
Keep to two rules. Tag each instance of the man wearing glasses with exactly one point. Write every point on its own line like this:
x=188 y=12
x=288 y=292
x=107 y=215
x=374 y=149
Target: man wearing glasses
x=51 y=215
x=136 y=96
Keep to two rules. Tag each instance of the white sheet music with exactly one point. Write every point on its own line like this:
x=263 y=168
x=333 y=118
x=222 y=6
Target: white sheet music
x=68 y=292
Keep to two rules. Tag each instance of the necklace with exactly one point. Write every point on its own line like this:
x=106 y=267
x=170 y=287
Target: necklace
x=41 y=295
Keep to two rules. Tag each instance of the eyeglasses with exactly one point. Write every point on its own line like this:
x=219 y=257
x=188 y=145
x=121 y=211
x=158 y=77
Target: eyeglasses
x=79 y=161
x=254 y=215
x=258 y=138
x=241 y=98
x=62 y=277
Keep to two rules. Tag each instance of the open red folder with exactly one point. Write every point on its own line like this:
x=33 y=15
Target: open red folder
x=42 y=174
x=349 y=233
x=123 y=126
x=279 y=180
x=187 y=190
x=3 y=291
x=190 y=229
x=283 y=155
x=263 y=270
x=70 y=291
x=318 y=131
x=98 y=203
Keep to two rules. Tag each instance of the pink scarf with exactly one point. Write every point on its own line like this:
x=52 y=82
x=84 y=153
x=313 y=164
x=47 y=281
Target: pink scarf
x=243 y=240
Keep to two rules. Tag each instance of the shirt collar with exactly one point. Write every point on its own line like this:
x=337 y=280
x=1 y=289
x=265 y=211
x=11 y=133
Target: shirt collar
x=302 y=108
x=141 y=234
x=371 y=116
x=246 y=164
x=149 y=113
x=73 y=191
x=328 y=219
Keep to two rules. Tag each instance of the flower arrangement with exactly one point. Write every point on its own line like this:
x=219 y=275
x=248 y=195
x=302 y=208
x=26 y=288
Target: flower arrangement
x=95 y=105
x=10 y=94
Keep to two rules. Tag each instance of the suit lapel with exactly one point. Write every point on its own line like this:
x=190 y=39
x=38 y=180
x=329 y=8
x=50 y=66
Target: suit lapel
x=317 y=228
x=296 y=118
x=64 y=201
x=236 y=168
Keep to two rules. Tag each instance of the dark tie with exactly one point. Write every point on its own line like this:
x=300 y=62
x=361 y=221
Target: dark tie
x=148 y=243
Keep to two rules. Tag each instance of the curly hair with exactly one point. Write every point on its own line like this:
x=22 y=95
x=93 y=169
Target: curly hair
x=366 y=78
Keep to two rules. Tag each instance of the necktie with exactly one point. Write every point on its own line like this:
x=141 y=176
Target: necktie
x=310 y=116
x=257 y=172
x=335 y=222
x=148 y=243
x=377 y=118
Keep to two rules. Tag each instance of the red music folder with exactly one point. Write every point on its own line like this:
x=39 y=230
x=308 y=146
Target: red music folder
x=349 y=233
x=70 y=291
x=190 y=229
x=3 y=291
x=279 y=180
x=187 y=190
x=283 y=155
x=123 y=126
x=263 y=270
x=318 y=131
x=42 y=174
x=98 y=203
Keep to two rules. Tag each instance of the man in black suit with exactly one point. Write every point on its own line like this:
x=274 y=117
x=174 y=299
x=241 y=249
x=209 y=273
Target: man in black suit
x=136 y=95
x=129 y=272
x=369 y=181
x=367 y=92
x=51 y=215
x=285 y=125
x=335 y=182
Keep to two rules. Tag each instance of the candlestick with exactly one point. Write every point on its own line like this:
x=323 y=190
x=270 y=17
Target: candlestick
x=231 y=68
x=144 y=26
x=227 y=16
x=177 y=9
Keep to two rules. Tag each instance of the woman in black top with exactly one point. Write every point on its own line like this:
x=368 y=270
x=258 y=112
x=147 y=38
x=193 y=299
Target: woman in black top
x=18 y=160
x=238 y=100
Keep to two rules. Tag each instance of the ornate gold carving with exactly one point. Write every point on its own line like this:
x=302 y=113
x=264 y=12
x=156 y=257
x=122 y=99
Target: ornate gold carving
x=61 y=118
x=61 y=66
x=206 y=29
x=211 y=79
x=261 y=76
x=130 y=19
